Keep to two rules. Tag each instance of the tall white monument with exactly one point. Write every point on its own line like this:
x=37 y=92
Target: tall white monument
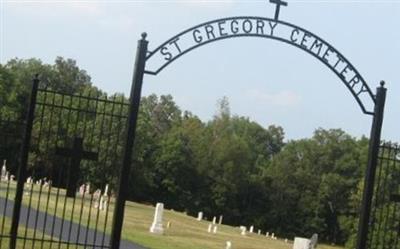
x=157 y=226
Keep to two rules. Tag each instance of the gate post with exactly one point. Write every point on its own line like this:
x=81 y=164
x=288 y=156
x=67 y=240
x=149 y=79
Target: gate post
x=23 y=163
x=137 y=81
x=374 y=142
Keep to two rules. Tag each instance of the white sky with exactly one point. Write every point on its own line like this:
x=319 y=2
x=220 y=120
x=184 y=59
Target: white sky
x=268 y=81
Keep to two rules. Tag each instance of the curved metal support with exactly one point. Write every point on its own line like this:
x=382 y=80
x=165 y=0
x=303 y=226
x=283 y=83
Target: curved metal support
x=250 y=26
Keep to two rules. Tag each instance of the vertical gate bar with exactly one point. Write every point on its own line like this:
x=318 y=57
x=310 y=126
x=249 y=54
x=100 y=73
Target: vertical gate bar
x=384 y=162
x=45 y=217
x=28 y=213
x=37 y=215
x=376 y=197
x=369 y=180
x=24 y=162
x=135 y=96
x=115 y=153
x=4 y=213
x=391 y=162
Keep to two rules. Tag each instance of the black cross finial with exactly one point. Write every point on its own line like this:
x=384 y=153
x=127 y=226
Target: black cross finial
x=278 y=6
x=77 y=154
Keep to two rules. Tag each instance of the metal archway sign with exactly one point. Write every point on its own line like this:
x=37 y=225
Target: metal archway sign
x=153 y=62
x=250 y=26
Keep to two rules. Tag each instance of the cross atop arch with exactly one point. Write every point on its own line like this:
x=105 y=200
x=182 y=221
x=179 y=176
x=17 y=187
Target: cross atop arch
x=278 y=4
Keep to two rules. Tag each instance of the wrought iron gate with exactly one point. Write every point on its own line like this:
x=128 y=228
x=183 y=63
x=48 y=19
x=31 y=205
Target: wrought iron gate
x=384 y=230
x=11 y=128
x=74 y=157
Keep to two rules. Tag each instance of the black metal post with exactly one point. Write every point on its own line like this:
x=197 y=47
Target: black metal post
x=24 y=163
x=136 y=89
x=369 y=181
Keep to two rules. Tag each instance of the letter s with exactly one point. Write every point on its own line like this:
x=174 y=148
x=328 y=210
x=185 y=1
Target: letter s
x=167 y=55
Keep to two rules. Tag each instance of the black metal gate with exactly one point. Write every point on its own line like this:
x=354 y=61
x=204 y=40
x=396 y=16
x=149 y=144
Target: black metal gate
x=11 y=128
x=66 y=195
x=384 y=230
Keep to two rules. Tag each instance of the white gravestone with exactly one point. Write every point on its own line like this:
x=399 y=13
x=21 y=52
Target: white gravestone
x=221 y=217
x=209 y=228
x=102 y=202
x=301 y=243
x=106 y=190
x=215 y=229
x=104 y=199
x=267 y=234
x=96 y=197
x=251 y=229
x=200 y=216
x=243 y=229
x=87 y=190
x=228 y=245
x=157 y=226
x=82 y=189
x=4 y=170
x=314 y=241
x=214 y=221
x=259 y=232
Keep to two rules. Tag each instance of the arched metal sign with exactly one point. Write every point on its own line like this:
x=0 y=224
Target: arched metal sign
x=249 y=26
x=153 y=62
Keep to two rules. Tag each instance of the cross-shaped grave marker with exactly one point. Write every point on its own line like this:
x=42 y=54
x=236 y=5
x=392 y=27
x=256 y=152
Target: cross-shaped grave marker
x=77 y=154
x=278 y=3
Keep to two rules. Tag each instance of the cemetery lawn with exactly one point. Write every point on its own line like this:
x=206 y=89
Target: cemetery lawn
x=185 y=231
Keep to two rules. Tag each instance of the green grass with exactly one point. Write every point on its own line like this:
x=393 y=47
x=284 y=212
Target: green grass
x=185 y=232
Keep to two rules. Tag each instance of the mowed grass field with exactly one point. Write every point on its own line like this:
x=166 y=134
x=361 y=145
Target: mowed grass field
x=185 y=231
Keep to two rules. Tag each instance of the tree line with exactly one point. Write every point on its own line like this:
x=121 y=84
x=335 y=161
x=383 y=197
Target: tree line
x=228 y=166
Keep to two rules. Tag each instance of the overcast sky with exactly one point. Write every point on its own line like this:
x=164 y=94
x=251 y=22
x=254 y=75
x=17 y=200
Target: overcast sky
x=268 y=81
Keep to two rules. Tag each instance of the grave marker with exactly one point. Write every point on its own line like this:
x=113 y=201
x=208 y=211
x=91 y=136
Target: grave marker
x=200 y=216
x=157 y=226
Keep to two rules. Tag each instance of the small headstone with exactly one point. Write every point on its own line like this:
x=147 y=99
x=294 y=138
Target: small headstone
x=200 y=216
x=267 y=234
x=251 y=229
x=228 y=245
x=101 y=207
x=47 y=184
x=96 y=198
x=4 y=170
x=209 y=228
x=314 y=241
x=243 y=229
x=215 y=229
x=286 y=241
x=259 y=232
x=214 y=221
x=168 y=224
x=301 y=243
x=221 y=217
x=12 y=178
x=87 y=190
x=157 y=226
x=82 y=189
x=29 y=180
x=106 y=190
x=273 y=236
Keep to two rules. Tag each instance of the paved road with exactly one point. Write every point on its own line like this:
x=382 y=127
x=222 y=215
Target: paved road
x=78 y=232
